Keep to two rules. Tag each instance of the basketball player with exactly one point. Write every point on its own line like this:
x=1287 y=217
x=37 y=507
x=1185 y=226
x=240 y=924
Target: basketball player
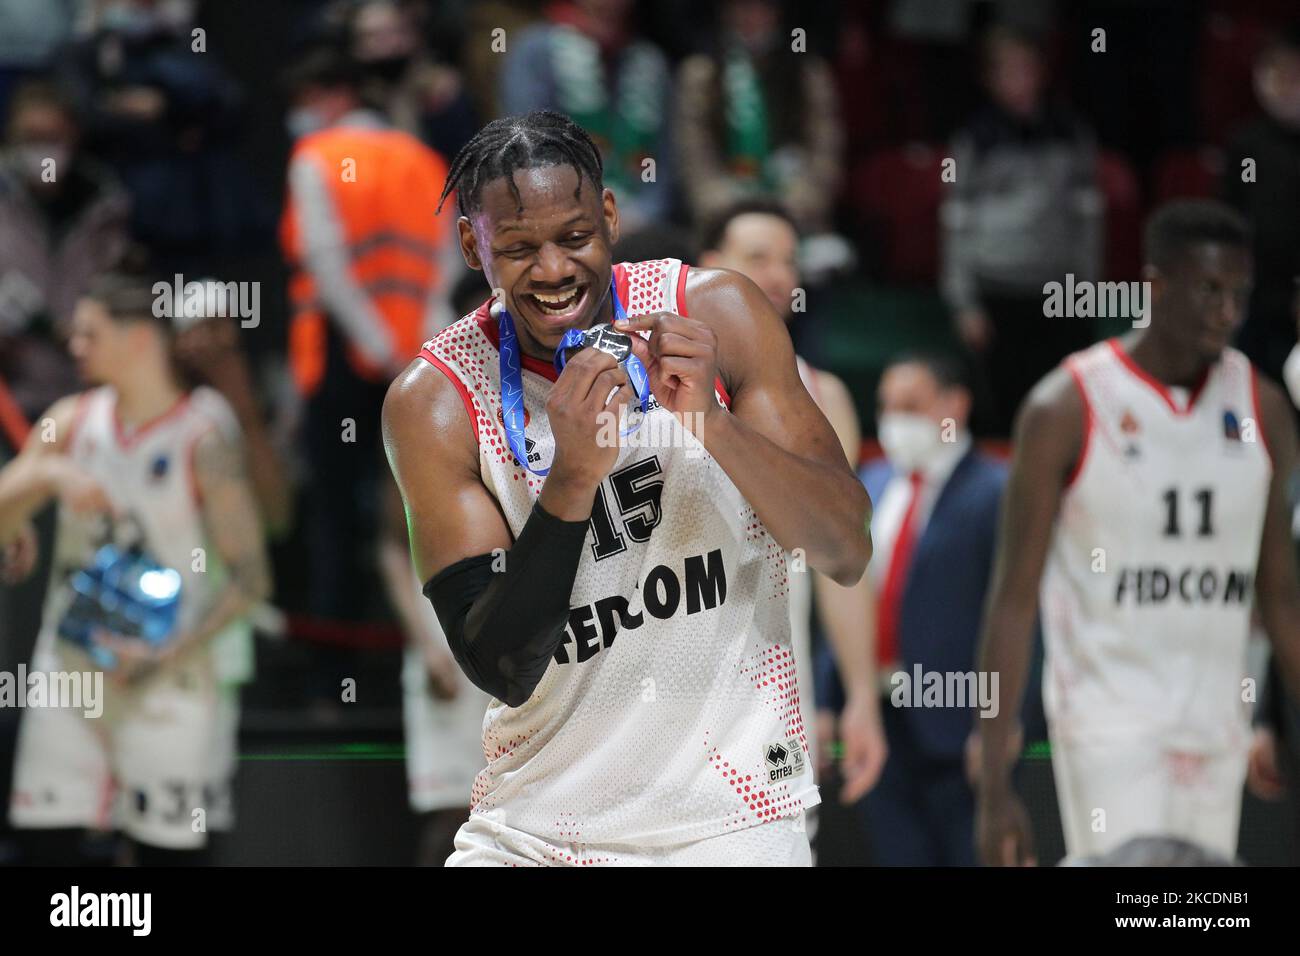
x=442 y=713
x=1146 y=508
x=140 y=462
x=758 y=238
x=623 y=601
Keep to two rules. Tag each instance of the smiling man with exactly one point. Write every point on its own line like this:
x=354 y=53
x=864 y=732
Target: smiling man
x=624 y=603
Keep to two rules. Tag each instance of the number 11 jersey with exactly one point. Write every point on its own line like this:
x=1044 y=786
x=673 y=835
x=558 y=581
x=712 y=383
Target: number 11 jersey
x=1149 y=584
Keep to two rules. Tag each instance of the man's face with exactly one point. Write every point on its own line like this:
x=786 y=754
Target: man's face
x=1015 y=78
x=549 y=252
x=764 y=248
x=102 y=347
x=381 y=31
x=1277 y=84
x=910 y=388
x=1202 y=298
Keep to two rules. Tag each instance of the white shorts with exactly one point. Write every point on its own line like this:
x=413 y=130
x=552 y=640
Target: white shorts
x=1110 y=793
x=155 y=757
x=444 y=740
x=483 y=842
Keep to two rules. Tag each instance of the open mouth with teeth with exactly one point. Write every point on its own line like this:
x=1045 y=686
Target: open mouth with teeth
x=558 y=305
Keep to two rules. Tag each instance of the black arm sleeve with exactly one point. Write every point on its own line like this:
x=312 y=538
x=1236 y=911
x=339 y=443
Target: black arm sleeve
x=504 y=627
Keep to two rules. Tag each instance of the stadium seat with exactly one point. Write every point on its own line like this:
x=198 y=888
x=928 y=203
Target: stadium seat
x=1119 y=186
x=897 y=193
x=1188 y=173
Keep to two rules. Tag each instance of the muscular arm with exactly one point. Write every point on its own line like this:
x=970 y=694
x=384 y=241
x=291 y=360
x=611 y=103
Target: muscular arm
x=1048 y=440
x=502 y=627
x=776 y=446
x=848 y=613
x=234 y=529
x=1275 y=582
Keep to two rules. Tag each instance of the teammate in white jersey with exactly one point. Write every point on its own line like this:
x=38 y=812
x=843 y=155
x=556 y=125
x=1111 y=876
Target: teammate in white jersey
x=757 y=237
x=627 y=609
x=138 y=461
x=1145 y=513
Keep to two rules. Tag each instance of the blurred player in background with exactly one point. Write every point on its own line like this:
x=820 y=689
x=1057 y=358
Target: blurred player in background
x=442 y=712
x=758 y=239
x=624 y=602
x=1146 y=507
x=142 y=462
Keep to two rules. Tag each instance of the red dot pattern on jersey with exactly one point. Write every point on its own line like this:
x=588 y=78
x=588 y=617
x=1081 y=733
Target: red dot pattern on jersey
x=773 y=675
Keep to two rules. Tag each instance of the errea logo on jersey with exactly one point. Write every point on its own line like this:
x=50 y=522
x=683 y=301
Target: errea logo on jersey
x=784 y=759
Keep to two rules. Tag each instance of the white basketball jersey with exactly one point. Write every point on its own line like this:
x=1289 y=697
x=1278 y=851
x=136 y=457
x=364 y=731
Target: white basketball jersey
x=148 y=474
x=1149 y=583
x=670 y=712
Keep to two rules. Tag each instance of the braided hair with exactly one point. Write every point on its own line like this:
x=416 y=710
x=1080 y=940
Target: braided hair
x=504 y=146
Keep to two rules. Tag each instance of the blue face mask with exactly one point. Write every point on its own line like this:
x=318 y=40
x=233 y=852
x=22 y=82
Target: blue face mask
x=303 y=121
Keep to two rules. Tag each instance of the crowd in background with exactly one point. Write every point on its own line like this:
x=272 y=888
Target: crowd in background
x=179 y=132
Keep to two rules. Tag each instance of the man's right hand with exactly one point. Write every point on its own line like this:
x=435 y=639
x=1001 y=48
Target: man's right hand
x=580 y=419
x=1003 y=835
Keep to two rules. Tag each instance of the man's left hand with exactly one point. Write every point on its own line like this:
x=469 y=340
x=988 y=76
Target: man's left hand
x=681 y=359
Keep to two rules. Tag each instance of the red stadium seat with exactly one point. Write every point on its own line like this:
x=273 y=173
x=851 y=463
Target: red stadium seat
x=897 y=193
x=1119 y=186
x=1228 y=48
x=1188 y=174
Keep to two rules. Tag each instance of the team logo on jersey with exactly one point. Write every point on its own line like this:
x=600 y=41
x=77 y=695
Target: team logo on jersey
x=1231 y=427
x=159 y=467
x=1129 y=427
x=501 y=418
x=784 y=759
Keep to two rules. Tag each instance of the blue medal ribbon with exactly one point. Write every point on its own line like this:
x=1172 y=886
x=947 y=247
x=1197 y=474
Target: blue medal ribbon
x=512 y=384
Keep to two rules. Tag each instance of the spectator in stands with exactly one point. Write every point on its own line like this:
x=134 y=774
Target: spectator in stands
x=165 y=118
x=419 y=95
x=364 y=247
x=1023 y=210
x=587 y=62
x=1267 y=193
x=63 y=218
x=934 y=523
x=755 y=118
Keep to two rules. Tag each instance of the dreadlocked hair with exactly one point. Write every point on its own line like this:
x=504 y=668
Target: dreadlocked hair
x=507 y=145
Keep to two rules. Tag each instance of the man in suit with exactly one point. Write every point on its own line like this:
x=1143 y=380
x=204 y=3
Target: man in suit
x=936 y=514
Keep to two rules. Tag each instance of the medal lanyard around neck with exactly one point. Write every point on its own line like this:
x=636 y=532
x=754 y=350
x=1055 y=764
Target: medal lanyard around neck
x=512 y=382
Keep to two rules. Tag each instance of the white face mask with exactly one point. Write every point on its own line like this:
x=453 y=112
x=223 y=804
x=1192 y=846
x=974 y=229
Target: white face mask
x=910 y=441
